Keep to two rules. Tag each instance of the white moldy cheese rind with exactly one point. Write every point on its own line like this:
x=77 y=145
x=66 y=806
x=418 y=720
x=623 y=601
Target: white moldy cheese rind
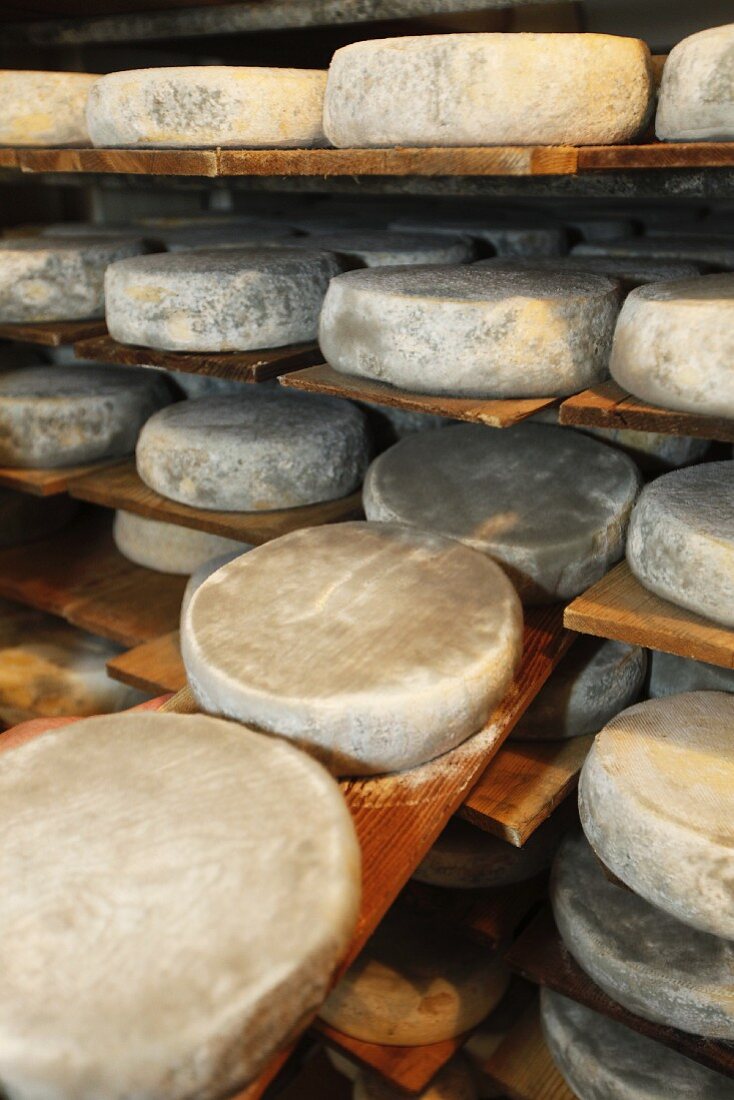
x=488 y=89
x=696 y=100
x=41 y=108
x=208 y=106
x=168 y=547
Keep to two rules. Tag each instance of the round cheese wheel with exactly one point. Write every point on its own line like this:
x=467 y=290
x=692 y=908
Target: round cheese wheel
x=413 y=985
x=470 y=331
x=25 y=518
x=454 y=1081
x=670 y=675
x=382 y=248
x=696 y=101
x=600 y=1059
x=248 y=235
x=674 y=344
x=549 y=505
x=681 y=539
x=506 y=237
x=657 y=805
x=208 y=106
x=205 y=570
x=265 y=450
x=465 y=857
x=196 y=883
x=49 y=279
x=654 y=452
x=488 y=89
x=714 y=252
x=168 y=547
x=370 y=605
x=63 y=416
x=41 y=108
x=219 y=300
x=630 y=272
x=203 y=385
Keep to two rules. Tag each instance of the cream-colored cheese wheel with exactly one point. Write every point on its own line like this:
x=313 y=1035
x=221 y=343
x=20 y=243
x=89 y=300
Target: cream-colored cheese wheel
x=168 y=547
x=453 y=1082
x=383 y=248
x=208 y=106
x=549 y=505
x=265 y=450
x=716 y=252
x=657 y=805
x=41 y=108
x=670 y=675
x=681 y=539
x=630 y=272
x=371 y=606
x=488 y=89
x=205 y=570
x=413 y=985
x=471 y=331
x=465 y=857
x=218 y=300
x=195 y=882
x=696 y=101
x=25 y=517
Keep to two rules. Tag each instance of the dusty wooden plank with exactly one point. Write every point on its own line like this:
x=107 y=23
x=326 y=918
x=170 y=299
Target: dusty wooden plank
x=522 y=1065
x=689 y=154
x=151 y=162
x=52 y=334
x=47 y=483
x=154 y=666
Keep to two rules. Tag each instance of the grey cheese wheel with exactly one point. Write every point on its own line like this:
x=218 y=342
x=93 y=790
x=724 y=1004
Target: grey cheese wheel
x=142 y=834
x=670 y=675
x=63 y=416
x=265 y=450
x=488 y=89
x=186 y=237
x=469 y=331
x=208 y=106
x=506 y=237
x=363 y=609
x=630 y=272
x=382 y=248
x=218 y=300
x=205 y=570
x=717 y=253
x=454 y=1081
x=681 y=539
x=696 y=101
x=657 y=804
x=654 y=452
x=643 y=959
x=58 y=279
x=601 y=1059
x=413 y=985
x=24 y=518
x=465 y=857
x=594 y=682
x=168 y=547
x=41 y=108
x=674 y=344
x=550 y=506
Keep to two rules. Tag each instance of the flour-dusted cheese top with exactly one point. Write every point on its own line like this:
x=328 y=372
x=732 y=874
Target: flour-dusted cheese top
x=670 y=675
x=696 y=101
x=454 y=1081
x=41 y=108
x=25 y=517
x=168 y=547
x=465 y=857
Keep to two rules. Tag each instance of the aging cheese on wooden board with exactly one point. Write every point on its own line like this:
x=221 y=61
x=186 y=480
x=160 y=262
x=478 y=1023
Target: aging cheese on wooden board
x=194 y=882
x=346 y=655
x=466 y=858
x=44 y=108
x=488 y=89
x=550 y=506
x=641 y=957
x=657 y=804
x=26 y=517
x=471 y=331
x=208 y=106
x=385 y=248
x=205 y=570
x=168 y=547
x=453 y=1082
x=696 y=101
x=670 y=675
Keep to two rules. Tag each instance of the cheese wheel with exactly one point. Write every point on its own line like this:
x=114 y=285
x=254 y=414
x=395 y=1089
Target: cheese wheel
x=657 y=805
x=681 y=539
x=696 y=101
x=195 y=882
x=715 y=252
x=488 y=89
x=670 y=675
x=454 y=1081
x=206 y=107
x=204 y=385
x=505 y=236
x=674 y=343
x=205 y=570
x=413 y=985
x=381 y=248
x=25 y=518
x=50 y=279
x=42 y=108
x=168 y=547
x=465 y=857
x=654 y=452
x=247 y=235
x=218 y=300
x=64 y=416
x=549 y=505
x=265 y=450
x=370 y=605
x=629 y=271
x=470 y=331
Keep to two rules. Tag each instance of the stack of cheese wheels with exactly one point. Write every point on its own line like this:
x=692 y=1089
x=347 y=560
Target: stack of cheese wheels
x=630 y=272
x=382 y=248
x=657 y=805
x=454 y=1081
x=413 y=985
x=41 y=108
x=527 y=236
x=716 y=253
x=266 y=450
x=471 y=331
x=594 y=682
x=218 y=300
x=488 y=89
x=144 y=835
x=681 y=539
x=63 y=416
x=697 y=91
x=58 y=279
x=550 y=506
x=168 y=547
x=674 y=343
x=208 y=106
x=467 y=858
x=25 y=518
x=649 y=962
x=670 y=675
x=370 y=604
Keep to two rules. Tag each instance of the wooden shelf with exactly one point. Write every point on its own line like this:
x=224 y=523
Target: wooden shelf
x=608 y=406
x=48 y=483
x=52 y=334
x=522 y=1065
x=619 y=607
x=154 y=666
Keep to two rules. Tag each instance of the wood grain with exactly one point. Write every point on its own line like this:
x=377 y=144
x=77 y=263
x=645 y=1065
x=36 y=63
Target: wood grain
x=48 y=483
x=657 y=154
x=154 y=666
x=150 y=162
x=522 y=1065
x=52 y=334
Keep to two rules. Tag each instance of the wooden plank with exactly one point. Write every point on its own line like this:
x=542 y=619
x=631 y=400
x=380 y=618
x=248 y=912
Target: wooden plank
x=522 y=1065
x=151 y=162
x=154 y=666
x=688 y=154
x=52 y=334
x=48 y=483
x=8 y=157
x=619 y=607
x=607 y=405
x=245 y=366
x=120 y=487
x=496 y=414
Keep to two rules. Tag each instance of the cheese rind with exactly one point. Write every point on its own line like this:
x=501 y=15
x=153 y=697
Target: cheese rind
x=465 y=857
x=168 y=547
x=696 y=101
x=205 y=570
x=385 y=248
x=41 y=108
x=670 y=675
